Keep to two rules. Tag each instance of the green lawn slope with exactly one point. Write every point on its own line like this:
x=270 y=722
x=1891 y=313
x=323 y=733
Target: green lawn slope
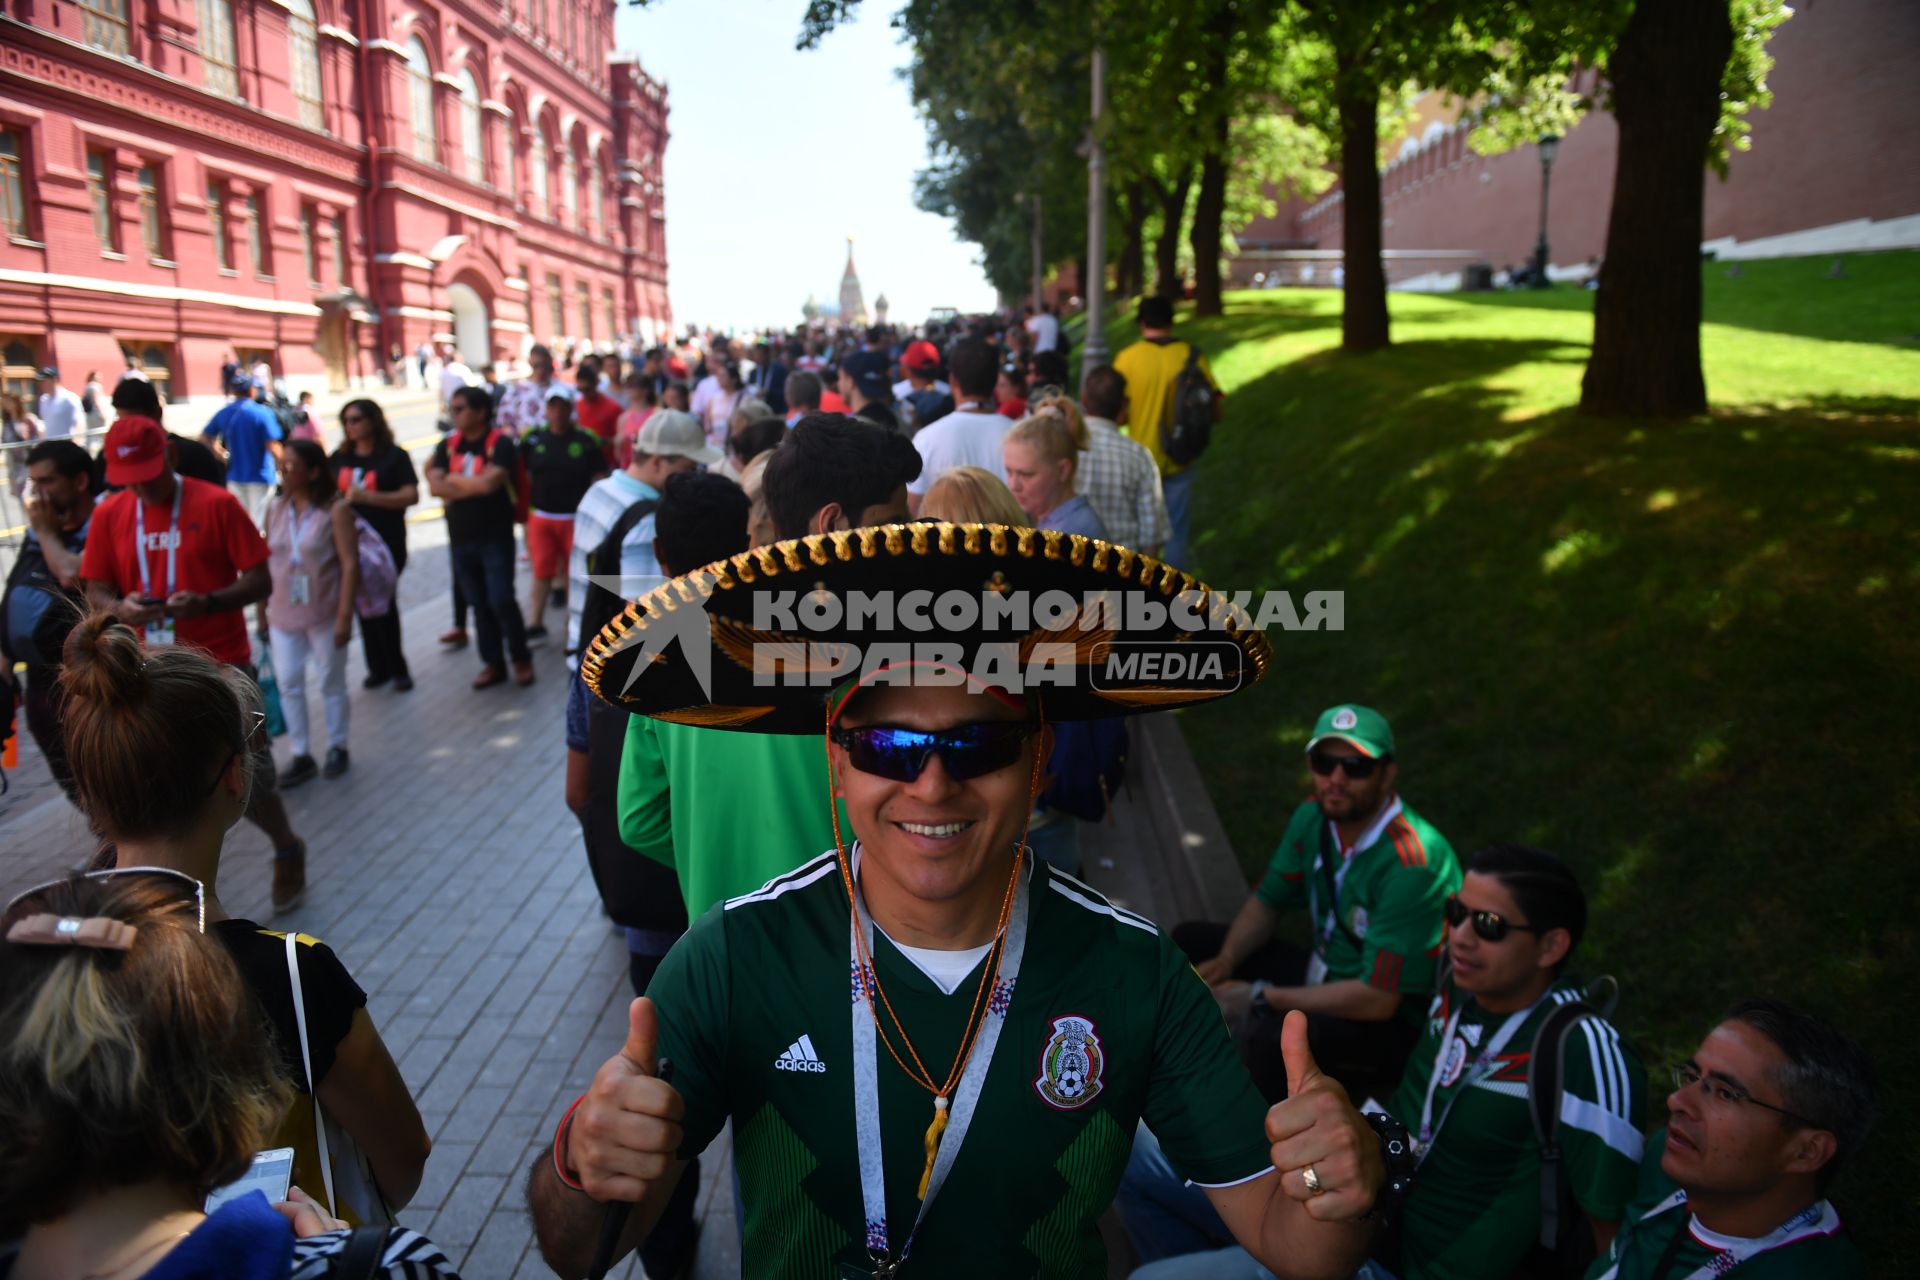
x=1685 y=655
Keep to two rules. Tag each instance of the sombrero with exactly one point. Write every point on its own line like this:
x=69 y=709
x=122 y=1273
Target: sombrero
x=759 y=642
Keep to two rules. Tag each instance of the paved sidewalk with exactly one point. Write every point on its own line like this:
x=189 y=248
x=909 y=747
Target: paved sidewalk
x=447 y=872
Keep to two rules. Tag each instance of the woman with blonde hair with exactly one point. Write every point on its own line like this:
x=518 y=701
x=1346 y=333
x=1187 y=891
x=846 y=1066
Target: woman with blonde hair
x=136 y=1077
x=1042 y=455
x=965 y=495
x=157 y=743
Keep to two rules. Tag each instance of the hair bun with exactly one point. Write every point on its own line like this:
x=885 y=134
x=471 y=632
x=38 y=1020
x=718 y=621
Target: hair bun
x=105 y=662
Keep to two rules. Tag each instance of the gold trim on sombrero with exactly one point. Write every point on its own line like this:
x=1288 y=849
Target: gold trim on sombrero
x=711 y=717
x=1225 y=619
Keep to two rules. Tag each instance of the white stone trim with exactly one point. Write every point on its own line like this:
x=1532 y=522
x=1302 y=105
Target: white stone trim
x=517 y=283
x=451 y=82
x=405 y=260
x=1856 y=235
x=341 y=34
x=421 y=313
x=508 y=223
x=496 y=106
x=515 y=325
x=169 y=293
x=387 y=46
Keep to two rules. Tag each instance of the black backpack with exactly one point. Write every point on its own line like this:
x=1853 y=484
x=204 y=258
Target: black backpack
x=1189 y=426
x=1565 y=1247
x=63 y=609
x=602 y=606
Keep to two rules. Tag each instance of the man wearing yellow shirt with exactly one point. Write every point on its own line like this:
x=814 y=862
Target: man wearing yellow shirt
x=1152 y=367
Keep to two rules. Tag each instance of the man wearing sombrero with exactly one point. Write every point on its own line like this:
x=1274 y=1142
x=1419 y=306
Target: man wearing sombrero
x=933 y=1049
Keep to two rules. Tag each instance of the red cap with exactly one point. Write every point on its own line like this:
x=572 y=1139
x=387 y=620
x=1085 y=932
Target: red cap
x=921 y=355
x=136 y=450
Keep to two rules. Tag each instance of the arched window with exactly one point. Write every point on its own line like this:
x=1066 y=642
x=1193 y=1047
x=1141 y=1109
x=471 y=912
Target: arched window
x=594 y=214
x=426 y=139
x=216 y=46
x=472 y=137
x=569 y=185
x=303 y=45
x=537 y=177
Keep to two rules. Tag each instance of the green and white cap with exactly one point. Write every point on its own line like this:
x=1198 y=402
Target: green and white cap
x=1361 y=727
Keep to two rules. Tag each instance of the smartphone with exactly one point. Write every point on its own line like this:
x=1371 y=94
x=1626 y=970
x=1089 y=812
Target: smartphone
x=270 y=1174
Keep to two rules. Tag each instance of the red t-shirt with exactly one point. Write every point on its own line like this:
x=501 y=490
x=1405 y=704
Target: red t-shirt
x=218 y=543
x=831 y=402
x=598 y=414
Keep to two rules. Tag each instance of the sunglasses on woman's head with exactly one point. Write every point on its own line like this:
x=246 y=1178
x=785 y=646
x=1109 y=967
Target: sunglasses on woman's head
x=966 y=751
x=1490 y=925
x=168 y=873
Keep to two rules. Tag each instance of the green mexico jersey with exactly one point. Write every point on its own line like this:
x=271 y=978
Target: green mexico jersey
x=756 y=1005
x=719 y=843
x=1377 y=913
x=1660 y=1240
x=1475 y=1209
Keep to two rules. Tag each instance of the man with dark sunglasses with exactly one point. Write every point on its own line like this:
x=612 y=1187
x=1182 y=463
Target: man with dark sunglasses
x=933 y=1048
x=1372 y=875
x=1761 y=1118
x=1475 y=1211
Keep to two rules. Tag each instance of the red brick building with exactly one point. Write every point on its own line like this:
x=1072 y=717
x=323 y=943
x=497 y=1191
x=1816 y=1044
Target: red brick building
x=1834 y=167
x=321 y=181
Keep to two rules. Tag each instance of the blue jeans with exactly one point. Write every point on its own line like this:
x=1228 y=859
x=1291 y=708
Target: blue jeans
x=1178 y=491
x=1231 y=1264
x=1163 y=1216
x=484 y=573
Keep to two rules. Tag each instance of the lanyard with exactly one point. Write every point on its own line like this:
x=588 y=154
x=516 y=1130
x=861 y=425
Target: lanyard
x=866 y=1074
x=299 y=532
x=173 y=541
x=1367 y=840
x=1815 y=1220
x=1468 y=1075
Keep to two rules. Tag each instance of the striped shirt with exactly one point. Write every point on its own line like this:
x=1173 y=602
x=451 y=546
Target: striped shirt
x=1118 y=477
x=598 y=512
x=408 y=1256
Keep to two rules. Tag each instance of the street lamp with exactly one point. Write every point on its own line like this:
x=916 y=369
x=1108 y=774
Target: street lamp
x=1549 y=148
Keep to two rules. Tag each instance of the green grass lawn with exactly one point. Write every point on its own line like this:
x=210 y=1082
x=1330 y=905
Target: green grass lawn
x=1684 y=655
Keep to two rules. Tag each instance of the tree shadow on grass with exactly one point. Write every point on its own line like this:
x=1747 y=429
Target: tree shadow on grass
x=1680 y=654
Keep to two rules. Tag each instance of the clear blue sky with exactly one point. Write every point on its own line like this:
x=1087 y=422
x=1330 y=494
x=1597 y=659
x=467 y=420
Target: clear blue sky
x=762 y=189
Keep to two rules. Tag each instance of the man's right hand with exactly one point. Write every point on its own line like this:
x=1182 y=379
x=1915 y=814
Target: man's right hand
x=40 y=516
x=1214 y=971
x=136 y=612
x=624 y=1136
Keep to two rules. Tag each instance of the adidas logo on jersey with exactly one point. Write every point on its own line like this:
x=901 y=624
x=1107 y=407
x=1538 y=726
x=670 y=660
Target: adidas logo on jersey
x=800 y=1057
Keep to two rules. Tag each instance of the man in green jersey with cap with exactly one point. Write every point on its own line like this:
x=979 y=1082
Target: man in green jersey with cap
x=933 y=1048
x=1760 y=1119
x=1372 y=875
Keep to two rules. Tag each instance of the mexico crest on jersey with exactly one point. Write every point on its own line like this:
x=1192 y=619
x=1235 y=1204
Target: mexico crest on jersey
x=1070 y=1064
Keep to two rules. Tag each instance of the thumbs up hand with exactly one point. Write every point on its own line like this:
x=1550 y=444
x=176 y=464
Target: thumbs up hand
x=627 y=1130
x=1317 y=1129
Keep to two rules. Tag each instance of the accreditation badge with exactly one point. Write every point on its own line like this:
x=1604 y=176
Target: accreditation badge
x=1453 y=1061
x=159 y=633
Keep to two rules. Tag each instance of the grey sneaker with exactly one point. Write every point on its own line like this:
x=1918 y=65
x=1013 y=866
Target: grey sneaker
x=336 y=763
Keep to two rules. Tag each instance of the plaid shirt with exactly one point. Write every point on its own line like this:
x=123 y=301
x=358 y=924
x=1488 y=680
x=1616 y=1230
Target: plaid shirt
x=524 y=406
x=1118 y=477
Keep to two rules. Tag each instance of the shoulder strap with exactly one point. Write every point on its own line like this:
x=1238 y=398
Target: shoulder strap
x=306 y=1069
x=1546 y=1082
x=610 y=545
x=1324 y=862
x=360 y=1260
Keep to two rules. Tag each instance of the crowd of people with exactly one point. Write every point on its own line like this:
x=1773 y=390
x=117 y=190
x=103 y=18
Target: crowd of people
x=1423 y=1091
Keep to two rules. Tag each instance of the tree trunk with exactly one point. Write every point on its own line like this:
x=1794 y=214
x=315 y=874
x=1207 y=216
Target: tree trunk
x=1209 y=211
x=1646 y=317
x=1166 y=250
x=1130 y=270
x=1363 y=316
